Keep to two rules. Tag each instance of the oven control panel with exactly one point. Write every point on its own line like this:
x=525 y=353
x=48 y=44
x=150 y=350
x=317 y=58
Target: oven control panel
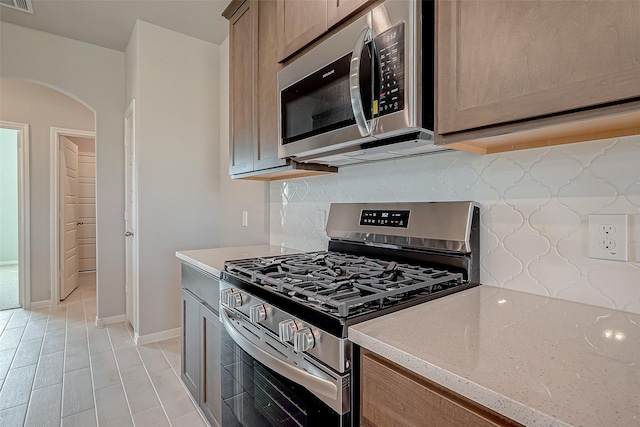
x=289 y=331
x=390 y=46
x=378 y=218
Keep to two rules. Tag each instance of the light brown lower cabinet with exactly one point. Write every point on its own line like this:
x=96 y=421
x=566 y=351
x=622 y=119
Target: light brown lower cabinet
x=394 y=396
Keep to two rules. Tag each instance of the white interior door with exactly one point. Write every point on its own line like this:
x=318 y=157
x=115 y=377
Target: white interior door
x=130 y=215
x=86 y=210
x=69 y=217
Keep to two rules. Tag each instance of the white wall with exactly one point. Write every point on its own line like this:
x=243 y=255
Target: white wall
x=95 y=76
x=174 y=80
x=8 y=195
x=535 y=207
x=41 y=108
x=238 y=195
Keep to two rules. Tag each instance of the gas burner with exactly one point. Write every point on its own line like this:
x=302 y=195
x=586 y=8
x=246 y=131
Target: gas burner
x=343 y=284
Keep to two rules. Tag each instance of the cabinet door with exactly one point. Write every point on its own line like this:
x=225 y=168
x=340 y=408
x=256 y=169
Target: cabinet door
x=266 y=149
x=399 y=398
x=190 y=343
x=210 y=387
x=299 y=23
x=504 y=61
x=337 y=10
x=243 y=53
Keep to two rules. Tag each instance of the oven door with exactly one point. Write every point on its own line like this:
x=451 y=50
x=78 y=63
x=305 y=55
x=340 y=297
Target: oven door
x=263 y=386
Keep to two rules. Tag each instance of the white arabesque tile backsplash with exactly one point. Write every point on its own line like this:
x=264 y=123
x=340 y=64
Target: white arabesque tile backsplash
x=535 y=207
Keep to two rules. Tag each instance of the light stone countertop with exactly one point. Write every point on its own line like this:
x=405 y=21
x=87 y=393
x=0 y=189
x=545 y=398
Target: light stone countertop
x=212 y=260
x=537 y=360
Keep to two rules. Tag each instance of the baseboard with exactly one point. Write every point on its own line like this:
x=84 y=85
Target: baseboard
x=40 y=304
x=109 y=320
x=8 y=262
x=157 y=336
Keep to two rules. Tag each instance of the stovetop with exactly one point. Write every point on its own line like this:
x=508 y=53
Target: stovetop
x=382 y=257
x=344 y=285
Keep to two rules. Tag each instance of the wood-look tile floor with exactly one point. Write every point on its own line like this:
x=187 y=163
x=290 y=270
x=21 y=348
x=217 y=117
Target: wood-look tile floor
x=58 y=368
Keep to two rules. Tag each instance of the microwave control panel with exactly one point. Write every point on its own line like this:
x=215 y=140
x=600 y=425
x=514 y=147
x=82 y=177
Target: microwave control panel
x=390 y=45
x=384 y=218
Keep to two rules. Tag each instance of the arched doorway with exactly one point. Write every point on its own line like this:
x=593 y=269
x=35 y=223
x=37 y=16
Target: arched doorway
x=44 y=109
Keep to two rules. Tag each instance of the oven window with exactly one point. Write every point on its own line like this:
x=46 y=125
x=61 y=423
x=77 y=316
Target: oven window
x=321 y=102
x=255 y=396
x=318 y=103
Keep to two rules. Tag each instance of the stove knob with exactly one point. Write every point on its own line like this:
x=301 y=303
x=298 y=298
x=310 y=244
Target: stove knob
x=303 y=340
x=257 y=313
x=235 y=299
x=225 y=296
x=287 y=330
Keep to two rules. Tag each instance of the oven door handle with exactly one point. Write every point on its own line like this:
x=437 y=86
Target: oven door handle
x=365 y=127
x=311 y=382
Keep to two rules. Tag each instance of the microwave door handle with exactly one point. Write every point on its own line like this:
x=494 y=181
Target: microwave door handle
x=304 y=378
x=354 y=83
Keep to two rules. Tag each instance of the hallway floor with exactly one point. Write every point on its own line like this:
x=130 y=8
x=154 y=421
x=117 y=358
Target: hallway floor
x=58 y=368
x=9 y=286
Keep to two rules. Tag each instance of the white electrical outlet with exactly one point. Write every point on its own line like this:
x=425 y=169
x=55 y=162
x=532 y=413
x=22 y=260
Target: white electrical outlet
x=245 y=218
x=608 y=237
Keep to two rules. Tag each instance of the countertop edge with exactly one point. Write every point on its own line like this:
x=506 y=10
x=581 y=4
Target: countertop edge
x=495 y=401
x=211 y=260
x=200 y=265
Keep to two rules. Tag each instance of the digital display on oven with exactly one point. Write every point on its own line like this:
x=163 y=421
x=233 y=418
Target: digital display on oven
x=384 y=218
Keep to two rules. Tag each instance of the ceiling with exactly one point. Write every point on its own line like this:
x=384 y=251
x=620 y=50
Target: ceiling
x=109 y=23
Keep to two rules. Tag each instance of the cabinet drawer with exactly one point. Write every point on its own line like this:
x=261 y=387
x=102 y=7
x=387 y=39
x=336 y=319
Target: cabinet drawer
x=202 y=284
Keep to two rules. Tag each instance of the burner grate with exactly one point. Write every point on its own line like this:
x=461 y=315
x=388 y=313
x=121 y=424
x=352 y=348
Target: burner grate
x=342 y=283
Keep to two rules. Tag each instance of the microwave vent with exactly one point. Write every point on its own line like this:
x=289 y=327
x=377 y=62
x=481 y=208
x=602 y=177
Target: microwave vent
x=23 y=5
x=411 y=144
x=370 y=157
x=420 y=149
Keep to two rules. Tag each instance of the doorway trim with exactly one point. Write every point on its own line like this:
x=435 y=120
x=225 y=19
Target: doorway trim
x=132 y=279
x=24 y=216
x=54 y=202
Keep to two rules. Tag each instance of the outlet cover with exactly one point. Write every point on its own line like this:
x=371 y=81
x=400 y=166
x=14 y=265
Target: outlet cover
x=608 y=237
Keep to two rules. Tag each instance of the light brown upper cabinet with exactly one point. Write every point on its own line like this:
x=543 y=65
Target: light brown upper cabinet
x=243 y=87
x=253 y=95
x=338 y=10
x=513 y=74
x=299 y=23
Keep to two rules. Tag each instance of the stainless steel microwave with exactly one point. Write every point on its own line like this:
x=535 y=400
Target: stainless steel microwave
x=366 y=93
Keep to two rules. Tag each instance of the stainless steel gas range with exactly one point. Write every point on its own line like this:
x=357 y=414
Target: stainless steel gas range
x=287 y=316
